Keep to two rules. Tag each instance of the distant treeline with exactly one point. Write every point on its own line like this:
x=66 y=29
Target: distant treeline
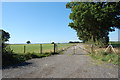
x=114 y=42
x=74 y=42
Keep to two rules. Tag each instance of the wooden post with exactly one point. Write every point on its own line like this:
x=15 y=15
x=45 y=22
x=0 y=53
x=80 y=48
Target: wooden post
x=74 y=49
x=91 y=48
x=54 y=47
x=110 y=49
x=24 y=48
x=40 y=48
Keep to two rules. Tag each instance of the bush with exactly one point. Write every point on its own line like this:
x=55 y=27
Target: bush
x=7 y=55
x=9 y=59
x=28 y=56
x=34 y=55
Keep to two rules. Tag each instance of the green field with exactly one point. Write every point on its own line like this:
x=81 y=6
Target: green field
x=30 y=48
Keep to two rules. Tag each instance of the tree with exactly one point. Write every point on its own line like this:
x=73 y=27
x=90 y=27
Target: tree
x=4 y=37
x=53 y=43
x=28 y=42
x=94 y=20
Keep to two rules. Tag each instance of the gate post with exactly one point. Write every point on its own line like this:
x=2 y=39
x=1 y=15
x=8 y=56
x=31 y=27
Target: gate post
x=74 y=49
x=24 y=48
x=40 y=48
x=54 y=47
x=91 y=48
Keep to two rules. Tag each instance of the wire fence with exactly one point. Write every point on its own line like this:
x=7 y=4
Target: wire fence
x=39 y=48
x=112 y=48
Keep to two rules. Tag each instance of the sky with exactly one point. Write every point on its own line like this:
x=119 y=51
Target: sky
x=39 y=22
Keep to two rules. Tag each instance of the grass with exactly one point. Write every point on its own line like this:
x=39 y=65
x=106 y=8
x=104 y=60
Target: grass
x=31 y=48
x=100 y=55
x=106 y=57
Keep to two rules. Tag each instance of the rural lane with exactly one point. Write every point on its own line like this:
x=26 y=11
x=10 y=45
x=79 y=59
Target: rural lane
x=74 y=63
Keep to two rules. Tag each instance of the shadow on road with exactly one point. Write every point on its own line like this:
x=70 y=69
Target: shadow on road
x=18 y=65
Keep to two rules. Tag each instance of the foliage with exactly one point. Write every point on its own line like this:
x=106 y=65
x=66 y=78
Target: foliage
x=10 y=59
x=28 y=42
x=4 y=36
x=111 y=42
x=94 y=20
x=7 y=55
x=115 y=44
x=53 y=43
x=74 y=42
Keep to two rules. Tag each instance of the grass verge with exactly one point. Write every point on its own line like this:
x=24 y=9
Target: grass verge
x=106 y=57
x=100 y=54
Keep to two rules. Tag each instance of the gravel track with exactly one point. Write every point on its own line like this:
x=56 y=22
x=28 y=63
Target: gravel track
x=74 y=63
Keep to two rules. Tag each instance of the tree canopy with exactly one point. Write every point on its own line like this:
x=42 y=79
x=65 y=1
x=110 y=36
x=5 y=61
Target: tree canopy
x=4 y=36
x=94 y=20
x=28 y=42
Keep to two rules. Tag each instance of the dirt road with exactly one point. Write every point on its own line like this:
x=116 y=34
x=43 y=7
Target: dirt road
x=74 y=63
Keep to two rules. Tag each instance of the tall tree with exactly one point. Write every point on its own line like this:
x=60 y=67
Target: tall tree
x=94 y=20
x=4 y=37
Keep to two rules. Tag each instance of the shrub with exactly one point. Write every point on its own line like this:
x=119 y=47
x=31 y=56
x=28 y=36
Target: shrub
x=9 y=59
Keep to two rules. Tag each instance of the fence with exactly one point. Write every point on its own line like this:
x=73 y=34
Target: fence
x=108 y=48
x=39 y=48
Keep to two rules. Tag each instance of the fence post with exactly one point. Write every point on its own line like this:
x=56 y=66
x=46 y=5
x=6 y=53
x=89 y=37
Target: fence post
x=74 y=49
x=91 y=48
x=24 y=48
x=41 y=48
x=54 y=47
